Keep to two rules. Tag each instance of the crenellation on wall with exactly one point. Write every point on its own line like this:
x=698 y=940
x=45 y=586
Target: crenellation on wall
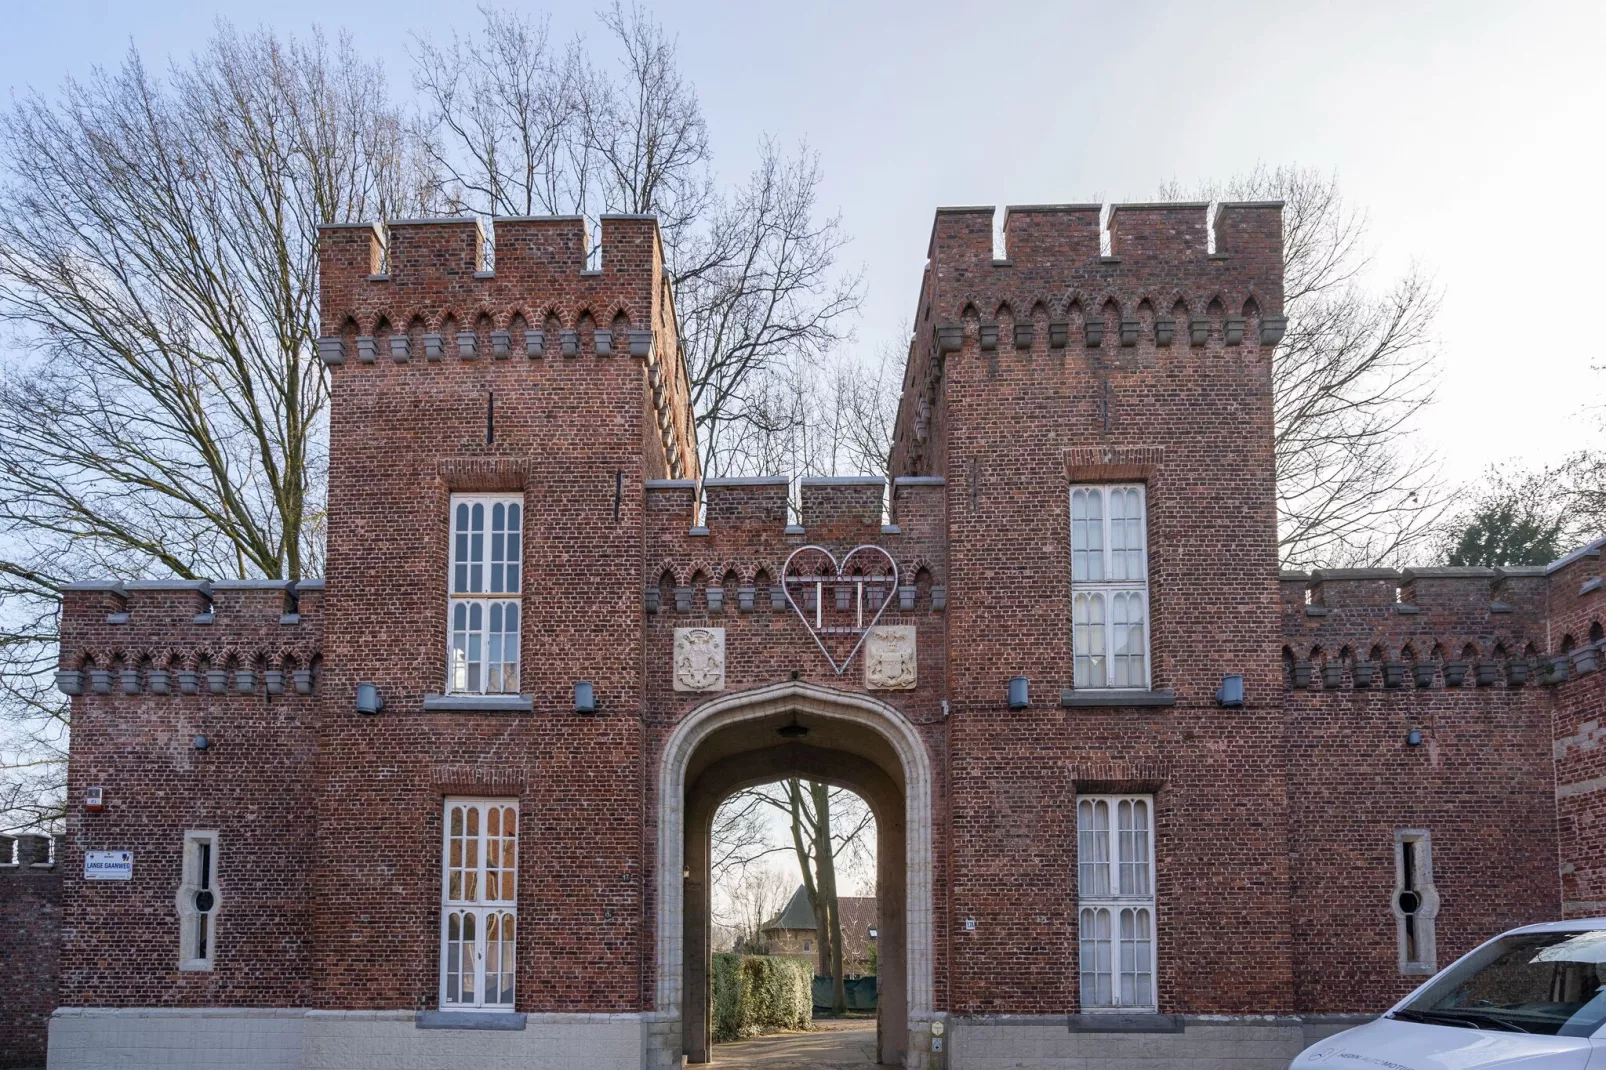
x=1041 y=234
x=829 y=501
x=1159 y=233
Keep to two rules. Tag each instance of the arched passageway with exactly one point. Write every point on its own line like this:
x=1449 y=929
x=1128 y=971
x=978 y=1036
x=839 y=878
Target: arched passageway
x=849 y=740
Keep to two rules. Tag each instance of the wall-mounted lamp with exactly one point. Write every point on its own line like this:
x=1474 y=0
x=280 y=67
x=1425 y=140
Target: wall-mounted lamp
x=1413 y=738
x=585 y=697
x=1231 y=694
x=369 y=700
x=1019 y=698
x=200 y=742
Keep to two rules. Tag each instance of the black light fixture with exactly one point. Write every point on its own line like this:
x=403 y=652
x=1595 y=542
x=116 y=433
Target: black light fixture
x=585 y=697
x=1019 y=695
x=793 y=730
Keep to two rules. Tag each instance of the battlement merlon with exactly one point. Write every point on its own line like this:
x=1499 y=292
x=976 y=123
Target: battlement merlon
x=1053 y=235
x=431 y=267
x=158 y=620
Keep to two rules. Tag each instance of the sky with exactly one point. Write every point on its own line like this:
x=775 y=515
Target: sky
x=1469 y=131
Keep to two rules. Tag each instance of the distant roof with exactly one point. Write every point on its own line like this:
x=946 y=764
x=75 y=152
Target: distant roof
x=854 y=910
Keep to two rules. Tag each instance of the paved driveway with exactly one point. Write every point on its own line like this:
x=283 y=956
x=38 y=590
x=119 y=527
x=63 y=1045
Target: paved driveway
x=832 y=1045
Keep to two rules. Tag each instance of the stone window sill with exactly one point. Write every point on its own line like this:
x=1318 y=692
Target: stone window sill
x=1124 y=1023
x=506 y=1020
x=1081 y=698
x=478 y=704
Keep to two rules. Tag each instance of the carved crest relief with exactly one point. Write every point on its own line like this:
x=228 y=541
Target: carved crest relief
x=699 y=659
x=889 y=658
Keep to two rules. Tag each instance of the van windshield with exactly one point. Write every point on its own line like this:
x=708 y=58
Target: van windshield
x=1548 y=983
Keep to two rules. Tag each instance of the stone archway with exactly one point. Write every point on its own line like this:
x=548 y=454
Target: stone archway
x=855 y=741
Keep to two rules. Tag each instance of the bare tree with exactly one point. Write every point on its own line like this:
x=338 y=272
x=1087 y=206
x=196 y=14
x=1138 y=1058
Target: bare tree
x=827 y=417
x=162 y=408
x=758 y=284
x=752 y=901
x=1354 y=369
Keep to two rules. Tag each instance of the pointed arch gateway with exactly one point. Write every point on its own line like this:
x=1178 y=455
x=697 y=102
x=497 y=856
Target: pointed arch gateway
x=855 y=741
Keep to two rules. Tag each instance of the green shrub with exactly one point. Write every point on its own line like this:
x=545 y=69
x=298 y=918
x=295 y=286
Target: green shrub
x=756 y=994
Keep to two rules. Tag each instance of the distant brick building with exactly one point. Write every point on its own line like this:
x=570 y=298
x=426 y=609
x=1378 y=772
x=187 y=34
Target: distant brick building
x=451 y=804
x=794 y=932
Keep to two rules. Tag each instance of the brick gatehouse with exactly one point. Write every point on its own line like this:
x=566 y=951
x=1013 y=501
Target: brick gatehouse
x=449 y=806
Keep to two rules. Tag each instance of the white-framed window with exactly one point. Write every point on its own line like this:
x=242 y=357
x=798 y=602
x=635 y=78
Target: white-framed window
x=1416 y=902
x=485 y=577
x=1115 y=901
x=1110 y=586
x=479 y=903
x=198 y=901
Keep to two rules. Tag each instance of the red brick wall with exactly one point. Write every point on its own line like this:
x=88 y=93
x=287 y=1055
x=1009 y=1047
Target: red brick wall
x=30 y=942
x=1016 y=427
x=1274 y=821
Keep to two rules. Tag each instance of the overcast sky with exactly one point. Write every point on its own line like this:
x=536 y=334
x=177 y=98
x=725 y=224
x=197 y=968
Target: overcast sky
x=1470 y=131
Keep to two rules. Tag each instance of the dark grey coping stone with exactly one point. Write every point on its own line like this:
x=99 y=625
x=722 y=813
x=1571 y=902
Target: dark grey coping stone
x=671 y=484
x=1448 y=572
x=1499 y=607
x=843 y=481
x=1124 y=1023
x=951 y=209
x=1003 y=263
x=1590 y=550
x=1591 y=584
x=627 y=215
x=538 y=218
x=1151 y=205
x=289 y=618
x=485 y=274
x=379 y=278
x=748 y=481
x=793 y=529
x=919 y=481
x=1008 y=208
x=1115 y=697
x=698 y=530
x=478 y=704
x=1317 y=611
x=893 y=529
x=1321 y=574
x=1505 y=572
x=1406 y=609
x=347 y=226
x=433 y=220
x=1287 y=576
x=1224 y=205
x=591 y=272
x=315 y=584
x=469 y=1020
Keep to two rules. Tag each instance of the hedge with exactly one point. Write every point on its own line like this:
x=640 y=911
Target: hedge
x=756 y=994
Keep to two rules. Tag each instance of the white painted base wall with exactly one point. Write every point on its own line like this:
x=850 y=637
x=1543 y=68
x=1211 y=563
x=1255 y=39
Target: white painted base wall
x=268 y=1039
x=1205 y=1043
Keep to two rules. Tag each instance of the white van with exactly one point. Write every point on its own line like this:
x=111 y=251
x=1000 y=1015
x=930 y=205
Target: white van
x=1530 y=999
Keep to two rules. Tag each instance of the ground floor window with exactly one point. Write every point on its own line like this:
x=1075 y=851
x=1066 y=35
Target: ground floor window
x=1115 y=908
x=479 y=903
x=198 y=901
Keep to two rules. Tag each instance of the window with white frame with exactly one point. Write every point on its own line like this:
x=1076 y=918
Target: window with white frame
x=198 y=901
x=479 y=903
x=1115 y=901
x=1109 y=587
x=485 y=577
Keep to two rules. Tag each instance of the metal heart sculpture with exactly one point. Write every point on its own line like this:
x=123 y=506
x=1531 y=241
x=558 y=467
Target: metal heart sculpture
x=810 y=570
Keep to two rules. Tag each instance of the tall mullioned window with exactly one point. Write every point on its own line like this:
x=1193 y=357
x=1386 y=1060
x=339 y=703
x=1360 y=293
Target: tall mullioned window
x=1109 y=587
x=479 y=903
x=1115 y=901
x=486 y=574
